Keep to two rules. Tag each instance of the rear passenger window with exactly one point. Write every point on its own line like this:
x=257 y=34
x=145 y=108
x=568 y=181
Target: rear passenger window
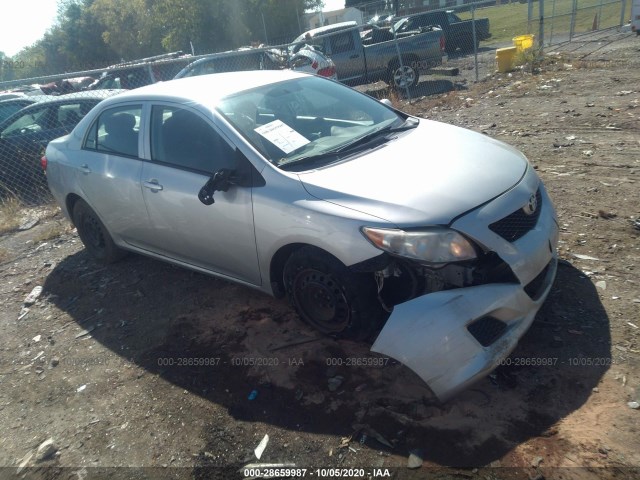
x=183 y=139
x=116 y=131
x=342 y=43
x=69 y=115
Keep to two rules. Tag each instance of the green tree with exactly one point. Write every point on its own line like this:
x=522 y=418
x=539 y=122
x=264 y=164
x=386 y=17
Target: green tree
x=91 y=34
x=125 y=25
x=78 y=36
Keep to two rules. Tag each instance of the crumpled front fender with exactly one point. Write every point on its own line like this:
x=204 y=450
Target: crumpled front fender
x=429 y=334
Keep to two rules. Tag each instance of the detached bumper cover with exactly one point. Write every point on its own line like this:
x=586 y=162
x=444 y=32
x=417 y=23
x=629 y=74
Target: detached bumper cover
x=431 y=335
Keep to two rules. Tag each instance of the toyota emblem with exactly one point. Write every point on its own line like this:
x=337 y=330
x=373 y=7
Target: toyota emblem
x=531 y=206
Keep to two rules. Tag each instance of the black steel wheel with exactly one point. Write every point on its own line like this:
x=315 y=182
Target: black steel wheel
x=94 y=235
x=331 y=298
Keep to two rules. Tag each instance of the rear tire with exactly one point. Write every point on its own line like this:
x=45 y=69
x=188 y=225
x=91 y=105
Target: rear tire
x=401 y=77
x=330 y=297
x=94 y=234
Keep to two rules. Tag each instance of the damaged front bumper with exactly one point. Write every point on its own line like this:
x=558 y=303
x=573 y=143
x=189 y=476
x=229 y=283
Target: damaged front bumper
x=451 y=338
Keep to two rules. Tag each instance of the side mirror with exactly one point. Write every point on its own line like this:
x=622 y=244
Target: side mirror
x=220 y=181
x=387 y=102
x=243 y=175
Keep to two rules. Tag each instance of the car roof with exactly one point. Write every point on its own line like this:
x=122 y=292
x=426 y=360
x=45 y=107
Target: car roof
x=61 y=99
x=206 y=89
x=27 y=100
x=222 y=56
x=84 y=95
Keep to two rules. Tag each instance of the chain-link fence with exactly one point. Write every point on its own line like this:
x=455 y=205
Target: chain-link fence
x=411 y=50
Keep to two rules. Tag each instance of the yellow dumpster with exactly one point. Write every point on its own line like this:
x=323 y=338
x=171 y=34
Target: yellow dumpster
x=523 y=42
x=505 y=58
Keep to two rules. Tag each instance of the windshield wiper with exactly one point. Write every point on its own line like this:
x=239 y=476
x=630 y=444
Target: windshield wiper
x=408 y=124
x=343 y=151
x=310 y=159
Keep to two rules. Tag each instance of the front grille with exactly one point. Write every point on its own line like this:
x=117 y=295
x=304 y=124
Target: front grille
x=516 y=225
x=487 y=330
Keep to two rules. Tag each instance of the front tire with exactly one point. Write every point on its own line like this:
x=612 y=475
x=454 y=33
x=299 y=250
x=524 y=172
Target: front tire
x=94 y=234
x=330 y=297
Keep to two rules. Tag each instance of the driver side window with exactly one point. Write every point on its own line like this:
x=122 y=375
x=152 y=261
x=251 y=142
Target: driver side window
x=182 y=138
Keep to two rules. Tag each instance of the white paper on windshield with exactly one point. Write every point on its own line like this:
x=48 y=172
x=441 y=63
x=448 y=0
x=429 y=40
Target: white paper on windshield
x=282 y=136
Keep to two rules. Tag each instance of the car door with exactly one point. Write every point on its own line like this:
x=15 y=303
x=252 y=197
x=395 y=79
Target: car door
x=185 y=150
x=347 y=53
x=108 y=169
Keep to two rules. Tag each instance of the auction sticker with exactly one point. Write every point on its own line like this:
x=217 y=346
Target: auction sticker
x=282 y=136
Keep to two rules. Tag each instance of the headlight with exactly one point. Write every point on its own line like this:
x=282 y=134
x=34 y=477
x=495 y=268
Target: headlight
x=433 y=245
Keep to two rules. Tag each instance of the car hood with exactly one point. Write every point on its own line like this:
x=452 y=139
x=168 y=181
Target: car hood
x=425 y=176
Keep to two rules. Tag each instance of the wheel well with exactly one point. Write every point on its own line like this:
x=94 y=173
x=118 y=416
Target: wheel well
x=278 y=262
x=406 y=60
x=71 y=200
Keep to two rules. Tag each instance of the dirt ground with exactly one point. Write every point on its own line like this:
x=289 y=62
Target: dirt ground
x=175 y=374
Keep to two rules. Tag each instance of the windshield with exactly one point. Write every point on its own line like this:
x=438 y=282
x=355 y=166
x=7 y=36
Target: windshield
x=398 y=24
x=305 y=117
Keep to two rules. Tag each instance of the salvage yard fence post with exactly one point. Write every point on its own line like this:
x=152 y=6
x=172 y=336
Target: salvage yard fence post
x=475 y=40
x=541 y=27
x=406 y=87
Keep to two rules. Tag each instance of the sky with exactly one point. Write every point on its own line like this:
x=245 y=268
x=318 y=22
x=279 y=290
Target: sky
x=23 y=22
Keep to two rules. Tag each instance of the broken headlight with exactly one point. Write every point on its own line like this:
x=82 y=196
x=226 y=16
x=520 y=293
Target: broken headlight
x=433 y=245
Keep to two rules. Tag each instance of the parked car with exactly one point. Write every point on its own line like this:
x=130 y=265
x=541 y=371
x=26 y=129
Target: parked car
x=437 y=241
x=25 y=135
x=306 y=60
x=382 y=20
x=359 y=63
x=233 y=61
x=12 y=105
x=310 y=60
x=458 y=33
x=138 y=73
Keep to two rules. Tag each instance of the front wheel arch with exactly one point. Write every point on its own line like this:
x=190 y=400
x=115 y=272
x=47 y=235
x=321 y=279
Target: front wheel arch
x=329 y=296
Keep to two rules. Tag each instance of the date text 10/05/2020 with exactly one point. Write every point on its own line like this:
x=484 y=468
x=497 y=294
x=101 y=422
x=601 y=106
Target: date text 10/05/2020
x=296 y=472
x=554 y=361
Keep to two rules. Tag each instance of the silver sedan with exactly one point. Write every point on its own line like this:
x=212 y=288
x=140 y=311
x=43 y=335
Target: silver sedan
x=435 y=242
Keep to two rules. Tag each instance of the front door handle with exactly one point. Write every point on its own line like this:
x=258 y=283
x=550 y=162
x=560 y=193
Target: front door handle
x=354 y=56
x=84 y=168
x=152 y=185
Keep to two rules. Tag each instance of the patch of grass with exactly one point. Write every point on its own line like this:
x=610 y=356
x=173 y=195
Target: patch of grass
x=531 y=59
x=509 y=20
x=395 y=98
x=10 y=210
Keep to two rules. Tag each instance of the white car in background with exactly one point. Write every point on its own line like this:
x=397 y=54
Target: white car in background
x=310 y=60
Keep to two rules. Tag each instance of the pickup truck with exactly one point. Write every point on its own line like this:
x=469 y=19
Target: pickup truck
x=358 y=63
x=458 y=33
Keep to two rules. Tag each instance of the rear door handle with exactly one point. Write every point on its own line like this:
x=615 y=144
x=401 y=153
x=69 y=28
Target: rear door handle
x=152 y=185
x=84 y=168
